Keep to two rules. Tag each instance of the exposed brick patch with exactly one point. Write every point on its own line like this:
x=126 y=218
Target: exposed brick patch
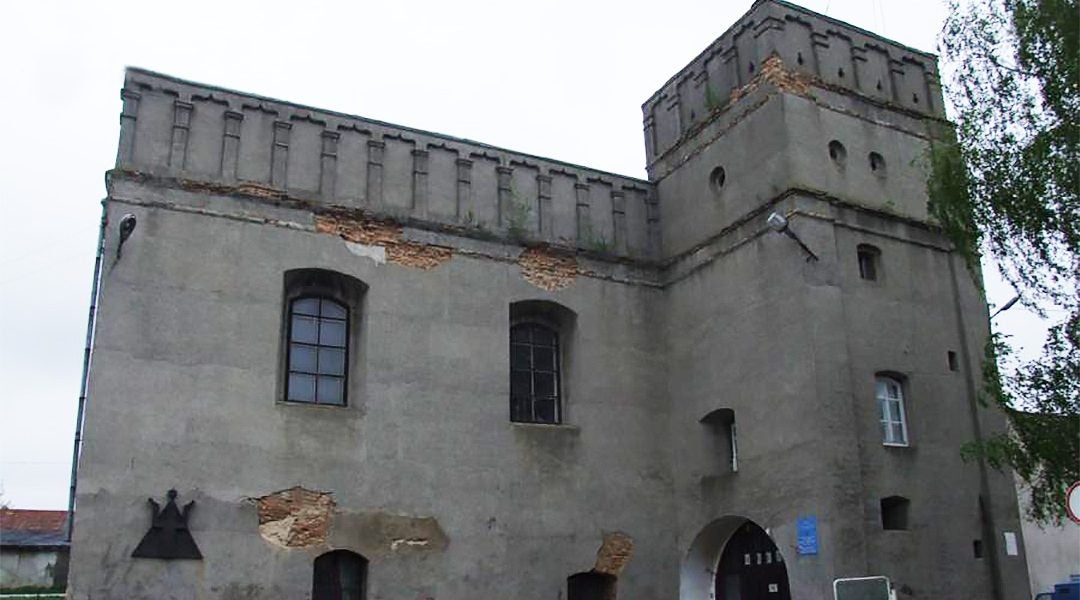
x=357 y=228
x=548 y=269
x=259 y=190
x=774 y=72
x=614 y=554
x=296 y=517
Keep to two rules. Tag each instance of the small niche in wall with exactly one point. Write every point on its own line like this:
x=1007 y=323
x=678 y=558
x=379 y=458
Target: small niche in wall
x=954 y=364
x=894 y=513
x=717 y=179
x=977 y=548
x=838 y=153
x=877 y=164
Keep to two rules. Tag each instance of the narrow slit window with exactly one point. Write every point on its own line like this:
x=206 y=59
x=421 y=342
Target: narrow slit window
x=869 y=258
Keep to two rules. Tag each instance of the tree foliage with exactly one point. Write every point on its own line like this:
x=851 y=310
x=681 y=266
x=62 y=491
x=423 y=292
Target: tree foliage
x=1007 y=184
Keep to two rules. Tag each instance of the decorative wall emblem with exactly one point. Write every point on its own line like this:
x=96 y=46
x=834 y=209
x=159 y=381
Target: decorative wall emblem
x=169 y=536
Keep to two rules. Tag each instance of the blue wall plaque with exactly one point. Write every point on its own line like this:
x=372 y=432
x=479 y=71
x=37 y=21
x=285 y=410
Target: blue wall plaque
x=808 y=541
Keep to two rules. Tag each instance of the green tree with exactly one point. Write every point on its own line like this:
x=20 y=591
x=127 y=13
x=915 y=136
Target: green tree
x=1007 y=183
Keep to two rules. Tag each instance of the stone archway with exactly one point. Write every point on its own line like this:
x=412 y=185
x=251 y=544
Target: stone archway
x=733 y=558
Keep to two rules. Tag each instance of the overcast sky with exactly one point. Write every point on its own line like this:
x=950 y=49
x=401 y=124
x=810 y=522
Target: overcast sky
x=558 y=79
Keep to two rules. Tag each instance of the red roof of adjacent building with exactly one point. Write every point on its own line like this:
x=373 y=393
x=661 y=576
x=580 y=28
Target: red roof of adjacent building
x=32 y=527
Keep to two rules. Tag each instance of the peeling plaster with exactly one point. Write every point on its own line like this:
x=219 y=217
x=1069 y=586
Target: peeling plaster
x=375 y=253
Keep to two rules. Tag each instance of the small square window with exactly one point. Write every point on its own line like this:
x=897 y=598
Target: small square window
x=954 y=364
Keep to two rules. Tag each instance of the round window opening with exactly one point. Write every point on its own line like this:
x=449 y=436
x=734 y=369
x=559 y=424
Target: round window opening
x=837 y=152
x=717 y=179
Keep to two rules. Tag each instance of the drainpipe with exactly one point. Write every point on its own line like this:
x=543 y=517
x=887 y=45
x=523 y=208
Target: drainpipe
x=83 y=384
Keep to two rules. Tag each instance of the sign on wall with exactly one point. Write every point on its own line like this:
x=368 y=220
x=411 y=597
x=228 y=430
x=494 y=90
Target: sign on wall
x=862 y=588
x=1072 y=502
x=808 y=538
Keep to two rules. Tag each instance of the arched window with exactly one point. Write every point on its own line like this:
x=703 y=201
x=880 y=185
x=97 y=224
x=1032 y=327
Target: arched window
x=339 y=575
x=320 y=333
x=534 y=373
x=318 y=351
x=890 y=397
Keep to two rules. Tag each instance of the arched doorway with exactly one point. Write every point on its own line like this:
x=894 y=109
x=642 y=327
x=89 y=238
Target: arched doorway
x=751 y=567
x=715 y=566
x=339 y=575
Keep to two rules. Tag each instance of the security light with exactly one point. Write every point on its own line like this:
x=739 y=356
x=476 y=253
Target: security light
x=779 y=223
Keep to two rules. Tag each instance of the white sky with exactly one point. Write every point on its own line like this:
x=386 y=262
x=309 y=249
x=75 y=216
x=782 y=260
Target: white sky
x=558 y=79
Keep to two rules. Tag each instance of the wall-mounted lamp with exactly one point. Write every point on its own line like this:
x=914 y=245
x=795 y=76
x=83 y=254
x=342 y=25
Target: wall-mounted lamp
x=1007 y=306
x=779 y=223
x=127 y=226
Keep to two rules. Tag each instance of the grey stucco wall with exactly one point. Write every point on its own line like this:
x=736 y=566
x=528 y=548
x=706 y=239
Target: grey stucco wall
x=185 y=369
x=684 y=303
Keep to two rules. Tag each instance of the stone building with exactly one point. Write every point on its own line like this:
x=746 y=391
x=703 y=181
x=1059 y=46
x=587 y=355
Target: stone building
x=391 y=364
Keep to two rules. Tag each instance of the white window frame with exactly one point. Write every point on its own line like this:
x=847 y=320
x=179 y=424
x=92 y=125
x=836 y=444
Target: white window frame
x=883 y=386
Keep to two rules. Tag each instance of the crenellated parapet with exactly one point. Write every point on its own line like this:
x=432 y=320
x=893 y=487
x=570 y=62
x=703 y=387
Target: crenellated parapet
x=176 y=128
x=836 y=55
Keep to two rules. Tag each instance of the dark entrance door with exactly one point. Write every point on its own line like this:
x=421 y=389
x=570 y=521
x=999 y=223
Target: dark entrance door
x=590 y=586
x=751 y=567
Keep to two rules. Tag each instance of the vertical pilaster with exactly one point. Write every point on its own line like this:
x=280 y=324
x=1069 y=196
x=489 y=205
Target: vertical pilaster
x=128 y=115
x=230 y=145
x=650 y=137
x=180 y=132
x=652 y=222
x=543 y=206
x=464 y=186
x=420 y=181
x=583 y=218
x=328 y=164
x=375 y=171
x=279 y=155
x=618 y=221
x=503 y=175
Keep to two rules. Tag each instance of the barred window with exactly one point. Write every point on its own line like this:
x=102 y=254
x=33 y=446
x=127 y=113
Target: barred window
x=534 y=374
x=318 y=351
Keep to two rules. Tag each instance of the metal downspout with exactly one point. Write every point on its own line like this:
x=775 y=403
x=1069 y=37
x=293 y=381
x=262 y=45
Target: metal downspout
x=84 y=383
